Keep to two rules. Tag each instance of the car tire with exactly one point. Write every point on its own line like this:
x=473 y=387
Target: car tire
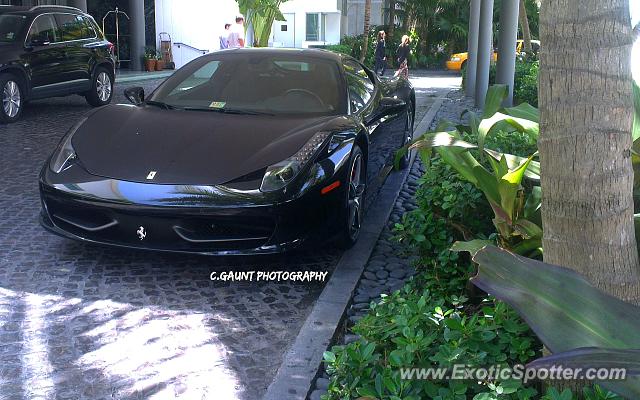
x=407 y=136
x=353 y=210
x=11 y=98
x=101 y=91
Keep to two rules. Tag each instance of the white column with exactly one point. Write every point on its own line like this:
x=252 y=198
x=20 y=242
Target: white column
x=472 y=47
x=485 y=51
x=507 y=45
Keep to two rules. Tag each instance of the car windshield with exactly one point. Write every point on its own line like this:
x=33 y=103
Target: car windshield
x=255 y=83
x=10 y=27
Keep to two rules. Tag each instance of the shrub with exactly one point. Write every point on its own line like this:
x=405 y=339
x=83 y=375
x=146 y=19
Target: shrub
x=525 y=87
x=339 y=48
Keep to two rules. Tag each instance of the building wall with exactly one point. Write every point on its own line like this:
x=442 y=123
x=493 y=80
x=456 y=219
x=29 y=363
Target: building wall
x=300 y=9
x=197 y=23
x=355 y=15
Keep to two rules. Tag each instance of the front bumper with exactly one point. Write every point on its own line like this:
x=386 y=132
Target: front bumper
x=208 y=220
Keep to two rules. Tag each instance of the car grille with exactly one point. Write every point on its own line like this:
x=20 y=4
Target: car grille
x=166 y=229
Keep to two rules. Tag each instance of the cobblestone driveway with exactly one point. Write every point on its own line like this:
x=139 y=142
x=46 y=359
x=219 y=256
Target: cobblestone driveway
x=83 y=321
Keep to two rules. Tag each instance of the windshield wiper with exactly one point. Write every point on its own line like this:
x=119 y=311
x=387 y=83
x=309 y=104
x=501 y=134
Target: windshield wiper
x=228 y=110
x=160 y=104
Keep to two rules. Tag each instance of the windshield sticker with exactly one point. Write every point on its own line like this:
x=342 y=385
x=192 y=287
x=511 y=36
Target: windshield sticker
x=217 y=104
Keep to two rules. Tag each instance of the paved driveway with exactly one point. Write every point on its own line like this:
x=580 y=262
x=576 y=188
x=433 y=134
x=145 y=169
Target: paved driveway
x=84 y=321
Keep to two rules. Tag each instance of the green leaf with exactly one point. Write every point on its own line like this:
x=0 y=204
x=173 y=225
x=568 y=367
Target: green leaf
x=329 y=356
x=533 y=204
x=529 y=127
x=493 y=101
x=527 y=229
x=472 y=246
x=524 y=111
x=563 y=308
x=593 y=357
x=532 y=172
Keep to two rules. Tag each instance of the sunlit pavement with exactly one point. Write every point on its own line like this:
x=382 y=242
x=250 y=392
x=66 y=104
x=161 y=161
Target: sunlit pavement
x=87 y=322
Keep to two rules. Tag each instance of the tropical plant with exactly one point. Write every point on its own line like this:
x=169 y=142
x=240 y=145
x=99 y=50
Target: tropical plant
x=581 y=325
x=367 y=27
x=516 y=214
x=261 y=14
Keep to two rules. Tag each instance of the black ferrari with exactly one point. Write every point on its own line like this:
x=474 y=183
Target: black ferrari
x=242 y=151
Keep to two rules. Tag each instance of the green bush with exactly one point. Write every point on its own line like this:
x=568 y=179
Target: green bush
x=525 y=87
x=339 y=48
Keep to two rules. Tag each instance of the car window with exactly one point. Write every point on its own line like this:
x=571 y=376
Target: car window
x=360 y=85
x=10 y=27
x=73 y=27
x=44 y=30
x=275 y=83
x=90 y=30
x=200 y=77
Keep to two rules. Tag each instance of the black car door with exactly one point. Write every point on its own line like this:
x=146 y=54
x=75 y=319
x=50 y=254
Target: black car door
x=44 y=56
x=364 y=97
x=78 y=38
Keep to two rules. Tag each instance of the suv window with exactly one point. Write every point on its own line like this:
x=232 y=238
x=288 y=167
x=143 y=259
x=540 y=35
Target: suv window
x=43 y=30
x=10 y=26
x=360 y=85
x=74 y=27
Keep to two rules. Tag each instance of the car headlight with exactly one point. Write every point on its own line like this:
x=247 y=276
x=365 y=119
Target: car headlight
x=455 y=59
x=279 y=175
x=65 y=153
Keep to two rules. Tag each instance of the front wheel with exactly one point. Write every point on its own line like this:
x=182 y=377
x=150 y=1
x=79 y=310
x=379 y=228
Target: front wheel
x=12 y=98
x=353 y=211
x=101 y=90
x=407 y=137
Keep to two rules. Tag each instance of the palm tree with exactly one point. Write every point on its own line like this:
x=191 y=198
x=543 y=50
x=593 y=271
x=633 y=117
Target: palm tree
x=585 y=142
x=524 y=25
x=367 y=22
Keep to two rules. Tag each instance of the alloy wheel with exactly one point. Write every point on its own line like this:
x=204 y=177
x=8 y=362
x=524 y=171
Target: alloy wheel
x=11 y=99
x=103 y=86
x=408 y=134
x=356 y=194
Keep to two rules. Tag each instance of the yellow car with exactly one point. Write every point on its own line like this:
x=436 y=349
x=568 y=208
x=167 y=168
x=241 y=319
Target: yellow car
x=458 y=60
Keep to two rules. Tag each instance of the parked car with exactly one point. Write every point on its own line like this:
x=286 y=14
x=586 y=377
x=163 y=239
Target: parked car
x=458 y=60
x=48 y=51
x=241 y=151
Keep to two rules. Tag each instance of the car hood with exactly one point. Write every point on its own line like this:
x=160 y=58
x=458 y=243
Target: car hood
x=189 y=147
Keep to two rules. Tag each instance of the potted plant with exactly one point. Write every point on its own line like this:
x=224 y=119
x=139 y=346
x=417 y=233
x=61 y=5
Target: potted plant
x=160 y=64
x=150 y=58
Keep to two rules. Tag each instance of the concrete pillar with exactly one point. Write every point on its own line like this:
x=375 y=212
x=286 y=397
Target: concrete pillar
x=137 y=29
x=507 y=45
x=485 y=51
x=250 y=33
x=472 y=59
x=81 y=4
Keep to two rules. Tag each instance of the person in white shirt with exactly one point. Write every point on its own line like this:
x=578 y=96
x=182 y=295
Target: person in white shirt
x=224 y=38
x=236 y=34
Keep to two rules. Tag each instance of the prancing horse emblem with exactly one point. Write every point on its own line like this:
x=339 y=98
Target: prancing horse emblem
x=141 y=233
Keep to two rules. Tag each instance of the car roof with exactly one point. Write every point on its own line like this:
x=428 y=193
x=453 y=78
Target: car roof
x=39 y=9
x=315 y=53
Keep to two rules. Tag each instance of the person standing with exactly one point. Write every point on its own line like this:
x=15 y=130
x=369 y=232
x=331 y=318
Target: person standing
x=224 y=38
x=236 y=34
x=402 y=55
x=381 y=58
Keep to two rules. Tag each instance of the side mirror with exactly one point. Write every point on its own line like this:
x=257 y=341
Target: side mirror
x=135 y=95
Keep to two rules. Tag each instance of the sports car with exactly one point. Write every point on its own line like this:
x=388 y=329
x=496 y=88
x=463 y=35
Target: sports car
x=243 y=151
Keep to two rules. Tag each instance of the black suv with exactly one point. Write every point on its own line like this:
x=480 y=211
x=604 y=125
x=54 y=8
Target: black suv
x=49 y=51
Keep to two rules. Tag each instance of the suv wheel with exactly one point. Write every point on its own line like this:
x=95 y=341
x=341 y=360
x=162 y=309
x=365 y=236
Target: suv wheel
x=12 y=98
x=101 y=88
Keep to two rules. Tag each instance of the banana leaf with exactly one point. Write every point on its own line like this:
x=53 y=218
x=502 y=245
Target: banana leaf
x=524 y=111
x=471 y=246
x=531 y=128
x=494 y=98
x=593 y=357
x=532 y=172
x=561 y=307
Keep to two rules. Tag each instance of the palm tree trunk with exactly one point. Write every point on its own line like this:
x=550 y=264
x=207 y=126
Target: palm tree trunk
x=524 y=24
x=585 y=140
x=367 y=21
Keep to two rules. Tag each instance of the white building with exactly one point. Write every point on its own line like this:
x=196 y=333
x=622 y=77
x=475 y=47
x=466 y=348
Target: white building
x=195 y=26
x=355 y=16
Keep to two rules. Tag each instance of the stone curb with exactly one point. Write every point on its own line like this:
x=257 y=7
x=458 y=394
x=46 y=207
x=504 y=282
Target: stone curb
x=300 y=364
